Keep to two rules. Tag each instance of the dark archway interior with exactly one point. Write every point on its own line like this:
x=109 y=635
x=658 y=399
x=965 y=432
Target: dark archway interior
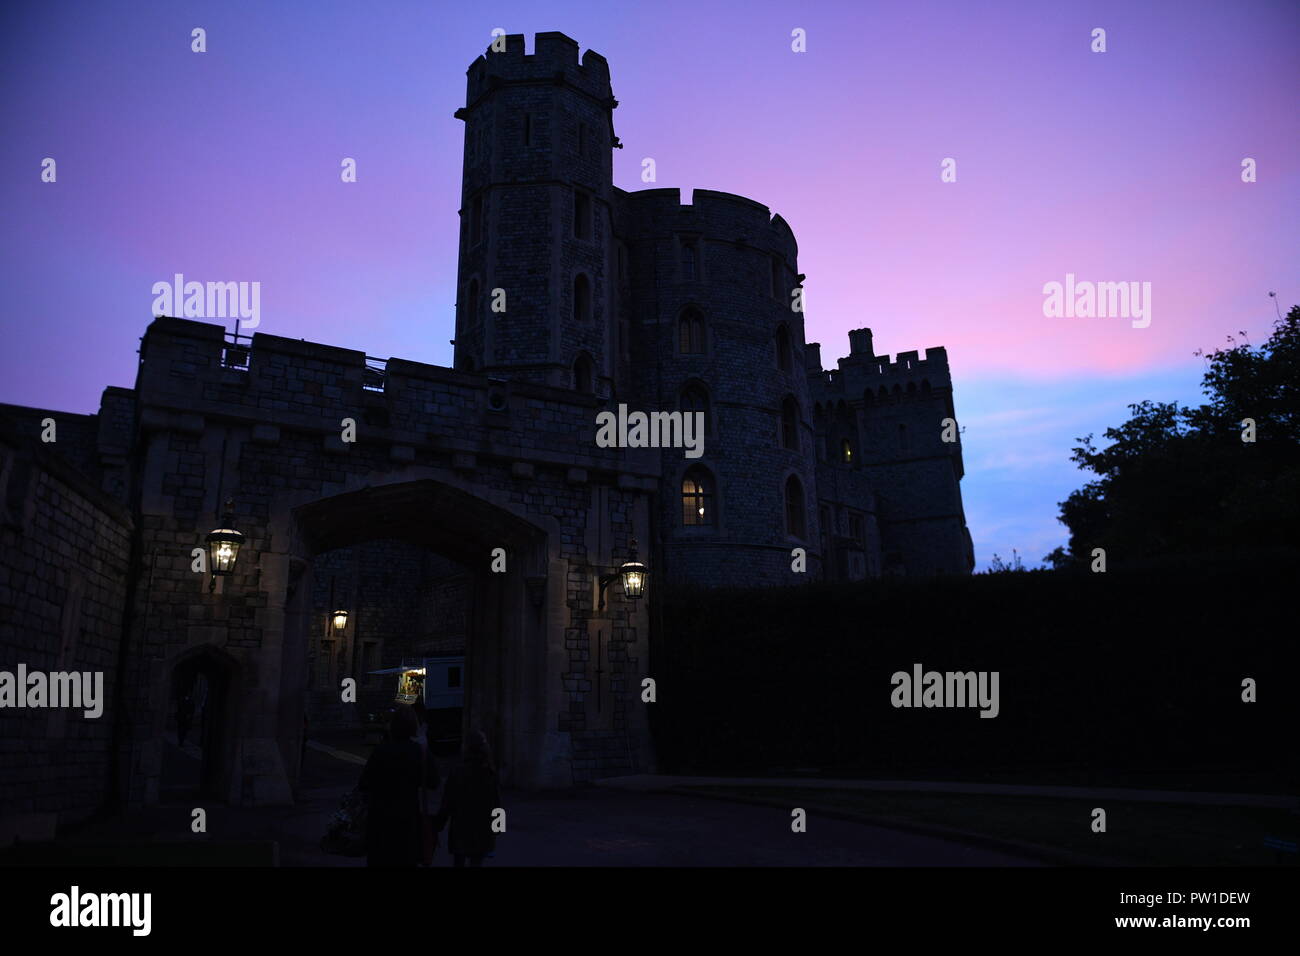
x=427 y=522
x=404 y=604
x=196 y=737
x=439 y=517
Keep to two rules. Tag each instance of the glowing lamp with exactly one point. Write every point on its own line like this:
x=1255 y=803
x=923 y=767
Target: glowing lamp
x=223 y=547
x=633 y=574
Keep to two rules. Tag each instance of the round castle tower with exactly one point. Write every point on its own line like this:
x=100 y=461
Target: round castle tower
x=710 y=291
x=535 y=216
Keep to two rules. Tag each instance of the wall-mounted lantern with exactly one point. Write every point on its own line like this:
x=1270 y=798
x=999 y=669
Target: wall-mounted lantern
x=223 y=546
x=633 y=573
x=340 y=621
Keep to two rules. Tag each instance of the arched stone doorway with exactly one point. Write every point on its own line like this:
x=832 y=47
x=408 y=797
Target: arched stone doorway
x=515 y=651
x=200 y=726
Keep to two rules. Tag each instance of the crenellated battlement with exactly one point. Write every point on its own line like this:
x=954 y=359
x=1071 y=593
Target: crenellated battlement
x=191 y=373
x=555 y=60
x=862 y=370
x=714 y=215
x=908 y=364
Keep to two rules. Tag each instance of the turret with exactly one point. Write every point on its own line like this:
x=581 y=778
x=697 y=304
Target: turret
x=534 y=288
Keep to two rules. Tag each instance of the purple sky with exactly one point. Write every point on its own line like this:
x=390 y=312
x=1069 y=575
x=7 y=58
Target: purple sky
x=1115 y=166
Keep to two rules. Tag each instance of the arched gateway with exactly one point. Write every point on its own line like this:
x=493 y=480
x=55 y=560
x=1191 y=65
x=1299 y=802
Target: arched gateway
x=456 y=463
x=509 y=697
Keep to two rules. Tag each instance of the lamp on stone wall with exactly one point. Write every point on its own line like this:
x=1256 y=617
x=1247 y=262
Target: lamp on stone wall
x=340 y=621
x=633 y=573
x=223 y=546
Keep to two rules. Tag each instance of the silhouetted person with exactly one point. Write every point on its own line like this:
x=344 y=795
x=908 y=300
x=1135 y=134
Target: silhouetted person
x=391 y=780
x=421 y=713
x=184 y=718
x=468 y=802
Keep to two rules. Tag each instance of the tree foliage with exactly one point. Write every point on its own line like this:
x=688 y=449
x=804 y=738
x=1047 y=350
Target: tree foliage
x=1181 y=481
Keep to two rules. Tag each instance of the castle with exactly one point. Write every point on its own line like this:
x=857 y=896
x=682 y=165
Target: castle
x=637 y=298
x=607 y=298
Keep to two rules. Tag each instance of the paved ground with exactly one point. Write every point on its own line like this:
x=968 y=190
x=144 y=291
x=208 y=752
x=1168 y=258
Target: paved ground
x=581 y=827
x=612 y=828
x=652 y=782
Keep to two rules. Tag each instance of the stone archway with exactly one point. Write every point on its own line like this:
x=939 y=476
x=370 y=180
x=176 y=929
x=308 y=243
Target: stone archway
x=514 y=656
x=204 y=759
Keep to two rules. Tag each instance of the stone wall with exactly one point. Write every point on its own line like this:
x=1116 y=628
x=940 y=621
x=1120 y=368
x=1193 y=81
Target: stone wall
x=64 y=550
x=268 y=435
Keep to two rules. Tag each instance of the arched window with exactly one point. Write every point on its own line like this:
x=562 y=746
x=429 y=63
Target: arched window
x=695 y=399
x=690 y=333
x=581 y=298
x=583 y=374
x=472 y=306
x=819 y=431
x=846 y=451
x=794 y=505
x=697 y=498
x=690 y=260
x=789 y=423
x=581 y=215
x=903 y=443
x=925 y=386
x=784 y=357
x=476 y=221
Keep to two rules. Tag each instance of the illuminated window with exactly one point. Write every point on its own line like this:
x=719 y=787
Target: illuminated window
x=846 y=452
x=697 y=498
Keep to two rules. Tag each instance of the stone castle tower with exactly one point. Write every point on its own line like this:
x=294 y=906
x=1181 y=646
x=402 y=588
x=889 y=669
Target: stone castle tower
x=637 y=298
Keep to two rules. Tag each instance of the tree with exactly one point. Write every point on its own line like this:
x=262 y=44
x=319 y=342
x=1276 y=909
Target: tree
x=999 y=566
x=1059 y=559
x=1181 y=481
